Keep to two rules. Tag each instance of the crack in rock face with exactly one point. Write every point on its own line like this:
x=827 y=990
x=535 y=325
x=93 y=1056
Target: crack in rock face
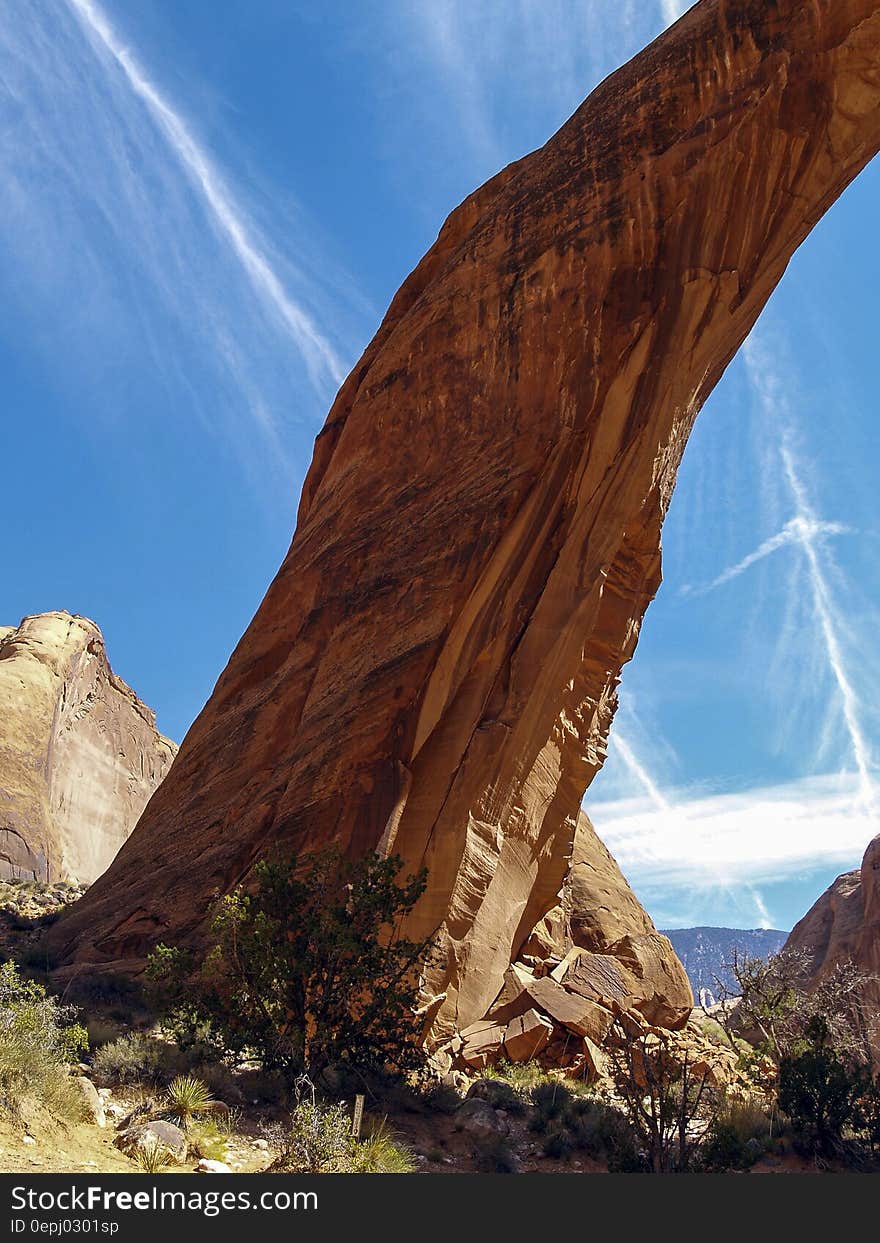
x=434 y=668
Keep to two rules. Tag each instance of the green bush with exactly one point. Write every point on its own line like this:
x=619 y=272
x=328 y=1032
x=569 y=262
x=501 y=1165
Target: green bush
x=550 y=1101
x=130 y=1059
x=318 y=1140
x=495 y=1156
x=820 y=1092
x=39 y=1037
x=306 y=972
x=499 y=1094
x=737 y=1136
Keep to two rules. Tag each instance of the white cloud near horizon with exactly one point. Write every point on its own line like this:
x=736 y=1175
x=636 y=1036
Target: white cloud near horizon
x=751 y=837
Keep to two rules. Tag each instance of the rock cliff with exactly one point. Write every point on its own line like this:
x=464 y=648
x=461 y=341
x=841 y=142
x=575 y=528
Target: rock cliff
x=79 y=752
x=843 y=926
x=433 y=670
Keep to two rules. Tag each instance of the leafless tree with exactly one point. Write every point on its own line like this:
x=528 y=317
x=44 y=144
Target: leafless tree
x=669 y=1106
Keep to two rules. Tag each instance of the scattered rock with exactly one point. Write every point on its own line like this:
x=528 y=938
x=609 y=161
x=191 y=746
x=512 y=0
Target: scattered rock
x=526 y=1036
x=157 y=1131
x=207 y=1166
x=91 y=1099
x=482 y=1044
x=478 y=1118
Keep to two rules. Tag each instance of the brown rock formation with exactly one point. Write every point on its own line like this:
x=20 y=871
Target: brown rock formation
x=433 y=670
x=79 y=752
x=843 y=926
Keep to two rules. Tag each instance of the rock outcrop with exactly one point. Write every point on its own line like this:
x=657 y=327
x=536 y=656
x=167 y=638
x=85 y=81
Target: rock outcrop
x=79 y=752
x=843 y=926
x=433 y=670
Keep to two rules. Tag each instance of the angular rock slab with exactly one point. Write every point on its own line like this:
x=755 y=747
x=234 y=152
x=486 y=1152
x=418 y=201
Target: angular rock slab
x=433 y=670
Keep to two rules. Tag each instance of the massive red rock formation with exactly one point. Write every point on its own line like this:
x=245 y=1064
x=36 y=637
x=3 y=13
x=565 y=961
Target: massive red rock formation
x=843 y=926
x=433 y=670
x=79 y=752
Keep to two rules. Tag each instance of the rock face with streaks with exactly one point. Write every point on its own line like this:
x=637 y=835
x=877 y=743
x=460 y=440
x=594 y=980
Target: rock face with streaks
x=433 y=670
x=843 y=926
x=79 y=752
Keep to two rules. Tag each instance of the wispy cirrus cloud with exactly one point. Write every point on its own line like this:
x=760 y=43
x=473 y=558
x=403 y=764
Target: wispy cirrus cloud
x=489 y=62
x=137 y=255
x=319 y=354
x=674 y=9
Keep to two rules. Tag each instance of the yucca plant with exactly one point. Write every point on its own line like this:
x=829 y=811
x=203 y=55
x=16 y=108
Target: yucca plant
x=188 y=1096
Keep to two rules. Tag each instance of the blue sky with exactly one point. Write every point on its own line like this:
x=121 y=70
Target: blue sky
x=206 y=209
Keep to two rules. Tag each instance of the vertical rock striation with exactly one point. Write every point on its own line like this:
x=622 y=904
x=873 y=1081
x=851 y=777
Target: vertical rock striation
x=79 y=752
x=433 y=670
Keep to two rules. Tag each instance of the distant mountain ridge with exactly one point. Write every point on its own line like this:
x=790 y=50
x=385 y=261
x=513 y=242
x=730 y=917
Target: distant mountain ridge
x=706 y=952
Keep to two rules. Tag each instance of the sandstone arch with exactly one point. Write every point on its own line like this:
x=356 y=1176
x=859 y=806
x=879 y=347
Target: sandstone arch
x=434 y=667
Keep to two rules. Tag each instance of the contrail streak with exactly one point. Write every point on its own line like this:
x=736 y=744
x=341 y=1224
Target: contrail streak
x=824 y=606
x=761 y=908
x=638 y=770
x=316 y=350
x=795 y=531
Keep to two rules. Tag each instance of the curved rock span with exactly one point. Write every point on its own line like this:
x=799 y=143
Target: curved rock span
x=79 y=752
x=433 y=670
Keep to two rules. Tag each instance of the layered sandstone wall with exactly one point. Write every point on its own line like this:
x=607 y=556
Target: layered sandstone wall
x=843 y=926
x=79 y=752
x=433 y=670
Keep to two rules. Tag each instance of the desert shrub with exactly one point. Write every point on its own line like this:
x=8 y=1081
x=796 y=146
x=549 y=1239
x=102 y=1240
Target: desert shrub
x=769 y=1003
x=307 y=969
x=550 y=1101
x=867 y=1117
x=499 y=1094
x=495 y=1156
x=39 y=1037
x=441 y=1098
x=592 y=1126
x=820 y=1091
x=187 y=1097
x=603 y=1132
x=736 y=1137
x=318 y=1139
x=130 y=1059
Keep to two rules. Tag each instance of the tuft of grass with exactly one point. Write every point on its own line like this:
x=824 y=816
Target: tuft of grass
x=152 y=1157
x=187 y=1096
x=205 y=1139
x=382 y=1152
